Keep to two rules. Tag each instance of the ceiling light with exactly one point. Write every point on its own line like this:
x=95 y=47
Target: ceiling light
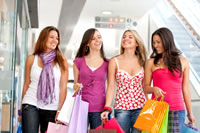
x=106 y=12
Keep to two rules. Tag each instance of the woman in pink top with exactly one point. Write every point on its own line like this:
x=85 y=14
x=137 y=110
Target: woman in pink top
x=170 y=74
x=126 y=70
x=90 y=69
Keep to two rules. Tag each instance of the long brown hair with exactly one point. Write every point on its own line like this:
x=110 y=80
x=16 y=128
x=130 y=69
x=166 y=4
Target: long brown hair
x=140 y=51
x=84 y=49
x=171 y=57
x=41 y=45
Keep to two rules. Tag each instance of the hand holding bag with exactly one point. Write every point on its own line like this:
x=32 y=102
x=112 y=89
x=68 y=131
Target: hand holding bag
x=189 y=129
x=79 y=117
x=152 y=116
x=57 y=128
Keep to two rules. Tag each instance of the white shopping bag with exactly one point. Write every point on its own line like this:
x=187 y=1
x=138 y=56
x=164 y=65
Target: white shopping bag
x=66 y=110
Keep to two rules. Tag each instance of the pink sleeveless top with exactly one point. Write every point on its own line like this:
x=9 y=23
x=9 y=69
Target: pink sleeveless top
x=130 y=94
x=172 y=85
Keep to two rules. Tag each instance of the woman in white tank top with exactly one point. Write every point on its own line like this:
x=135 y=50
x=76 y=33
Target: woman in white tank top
x=46 y=75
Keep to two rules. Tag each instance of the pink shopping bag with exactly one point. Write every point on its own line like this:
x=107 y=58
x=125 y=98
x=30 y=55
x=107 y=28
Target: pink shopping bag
x=112 y=124
x=57 y=128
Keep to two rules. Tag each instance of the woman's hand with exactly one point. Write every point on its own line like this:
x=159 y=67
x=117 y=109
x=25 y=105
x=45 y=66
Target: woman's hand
x=191 y=119
x=158 y=92
x=104 y=115
x=19 y=119
x=56 y=120
x=77 y=87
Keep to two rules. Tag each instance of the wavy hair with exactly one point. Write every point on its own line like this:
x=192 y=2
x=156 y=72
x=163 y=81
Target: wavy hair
x=171 y=53
x=84 y=49
x=41 y=45
x=140 y=49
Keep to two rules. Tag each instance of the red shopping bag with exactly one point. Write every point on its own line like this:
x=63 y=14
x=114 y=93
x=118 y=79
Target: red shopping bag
x=112 y=124
x=57 y=128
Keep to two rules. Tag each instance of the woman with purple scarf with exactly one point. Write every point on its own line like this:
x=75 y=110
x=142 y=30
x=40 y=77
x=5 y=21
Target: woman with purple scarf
x=45 y=86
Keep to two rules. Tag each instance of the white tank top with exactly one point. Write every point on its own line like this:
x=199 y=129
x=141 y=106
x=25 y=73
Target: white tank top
x=31 y=94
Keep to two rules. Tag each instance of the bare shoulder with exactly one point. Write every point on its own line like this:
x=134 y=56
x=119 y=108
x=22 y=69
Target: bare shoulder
x=184 y=62
x=112 y=61
x=30 y=59
x=183 y=59
x=150 y=62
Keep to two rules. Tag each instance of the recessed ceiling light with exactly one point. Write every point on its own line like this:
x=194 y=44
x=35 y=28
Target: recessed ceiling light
x=106 y=12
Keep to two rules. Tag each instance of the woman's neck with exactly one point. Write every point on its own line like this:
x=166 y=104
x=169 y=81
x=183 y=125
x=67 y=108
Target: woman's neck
x=129 y=53
x=94 y=54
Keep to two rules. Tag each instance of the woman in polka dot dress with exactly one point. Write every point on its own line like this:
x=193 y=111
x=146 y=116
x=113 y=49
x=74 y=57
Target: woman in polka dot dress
x=126 y=70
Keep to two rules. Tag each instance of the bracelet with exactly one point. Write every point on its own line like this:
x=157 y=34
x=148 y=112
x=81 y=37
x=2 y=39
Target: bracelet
x=19 y=112
x=58 y=111
x=108 y=108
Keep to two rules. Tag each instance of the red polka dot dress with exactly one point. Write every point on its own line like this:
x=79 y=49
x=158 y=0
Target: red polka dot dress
x=130 y=94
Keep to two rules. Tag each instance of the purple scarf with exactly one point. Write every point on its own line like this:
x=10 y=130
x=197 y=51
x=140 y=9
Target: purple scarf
x=46 y=85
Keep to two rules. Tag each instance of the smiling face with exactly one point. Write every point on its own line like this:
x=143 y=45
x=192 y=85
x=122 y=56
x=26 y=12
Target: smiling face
x=128 y=40
x=52 y=41
x=96 y=41
x=157 y=44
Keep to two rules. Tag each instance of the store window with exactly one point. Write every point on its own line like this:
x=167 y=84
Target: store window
x=14 y=29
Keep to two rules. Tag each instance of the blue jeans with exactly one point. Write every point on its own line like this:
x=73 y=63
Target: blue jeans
x=30 y=119
x=94 y=119
x=181 y=114
x=126 y=119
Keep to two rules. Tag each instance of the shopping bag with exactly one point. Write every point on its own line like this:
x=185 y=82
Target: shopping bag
x=66 y=110
x=78 y=122
x=152 y=115
x=189 y=129
x=57 y=128
x=19 y=129
x=112 y=124
x=102 y=130
x=164 y=125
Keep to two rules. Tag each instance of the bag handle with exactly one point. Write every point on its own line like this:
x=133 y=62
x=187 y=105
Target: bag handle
x=102 y=124
x=161 y=99
x=78 y=90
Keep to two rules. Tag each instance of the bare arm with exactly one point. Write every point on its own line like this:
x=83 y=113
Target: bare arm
x=76 y=75
x=28 y=65
x=111 y=86
x=63 y=86
x=186 y=91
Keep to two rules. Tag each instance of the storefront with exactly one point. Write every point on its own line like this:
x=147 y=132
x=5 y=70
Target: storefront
x=15 y=41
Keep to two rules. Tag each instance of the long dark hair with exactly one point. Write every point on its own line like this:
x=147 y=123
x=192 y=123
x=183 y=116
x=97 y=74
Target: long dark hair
x=171 y=53
x=84 y=49
x=140 y=51
x=41 y=45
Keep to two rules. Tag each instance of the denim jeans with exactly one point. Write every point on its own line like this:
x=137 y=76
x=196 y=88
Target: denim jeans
x=126 y=119
x=30 y=119
x=46 y=116
x=94 y=119
x=181 y=114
